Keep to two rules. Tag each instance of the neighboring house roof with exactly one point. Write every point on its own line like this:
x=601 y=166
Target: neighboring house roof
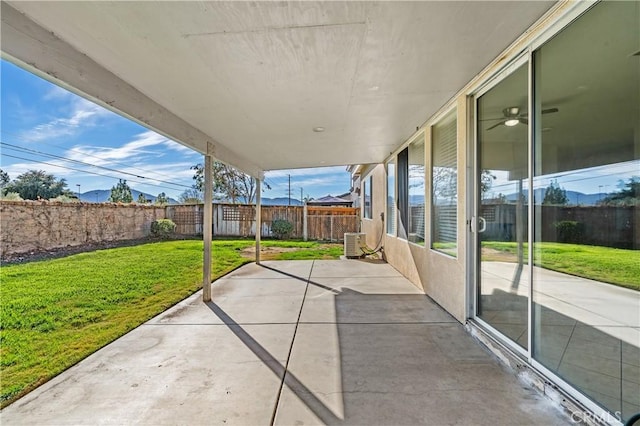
x=330 y=200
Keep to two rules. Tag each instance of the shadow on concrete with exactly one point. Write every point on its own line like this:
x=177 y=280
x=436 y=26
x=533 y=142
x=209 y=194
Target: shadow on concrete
x=386 y=358
x=321 y=410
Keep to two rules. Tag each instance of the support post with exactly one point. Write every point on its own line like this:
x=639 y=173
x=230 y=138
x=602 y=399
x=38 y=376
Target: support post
x=207 y=227
x=258 y=219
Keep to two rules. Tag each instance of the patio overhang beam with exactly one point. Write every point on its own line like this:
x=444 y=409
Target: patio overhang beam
x=30 y=46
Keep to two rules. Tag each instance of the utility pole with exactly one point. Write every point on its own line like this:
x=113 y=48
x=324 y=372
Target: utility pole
x=301 y=197
x=78 y=185
x=289 y=191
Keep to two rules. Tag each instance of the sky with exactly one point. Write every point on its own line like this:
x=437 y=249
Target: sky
x=48 y=128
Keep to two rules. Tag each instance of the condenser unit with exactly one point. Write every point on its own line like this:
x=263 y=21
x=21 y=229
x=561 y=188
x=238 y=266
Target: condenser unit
x=353 y=244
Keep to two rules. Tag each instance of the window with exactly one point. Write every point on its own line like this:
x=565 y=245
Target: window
x=403 y=193
x=367 y=185
x=444 y=185
x=391 y=198
x=416 y=190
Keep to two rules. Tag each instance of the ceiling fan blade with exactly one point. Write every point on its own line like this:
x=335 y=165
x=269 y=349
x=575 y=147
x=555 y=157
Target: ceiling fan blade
x=524 y=120
x=550 y=110
x=496 y=125
x=491 y=119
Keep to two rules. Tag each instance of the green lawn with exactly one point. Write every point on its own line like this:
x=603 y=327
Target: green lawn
x=606 y=264
x=54 y=313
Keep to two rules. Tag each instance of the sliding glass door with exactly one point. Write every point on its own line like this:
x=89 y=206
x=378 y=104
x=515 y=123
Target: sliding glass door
x=557 y=213
x=503 y=272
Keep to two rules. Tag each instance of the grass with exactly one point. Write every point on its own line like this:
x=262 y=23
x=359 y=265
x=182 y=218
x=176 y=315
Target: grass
x=56 y=312
x=610 y=265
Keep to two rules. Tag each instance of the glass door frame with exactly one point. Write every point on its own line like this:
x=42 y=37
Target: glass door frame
x=523 y=58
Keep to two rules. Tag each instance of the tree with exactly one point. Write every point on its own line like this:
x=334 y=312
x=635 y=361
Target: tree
x=37 y=184
x=191 y=196
x=162 y=199
x=141 y=199
x=4 y=180
x=228 y=183
x=121 y=193
x=486 y=182
x=629 y=194
x=554 y=195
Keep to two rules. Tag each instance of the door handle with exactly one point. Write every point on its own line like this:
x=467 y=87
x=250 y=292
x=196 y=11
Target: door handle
x=482 y=224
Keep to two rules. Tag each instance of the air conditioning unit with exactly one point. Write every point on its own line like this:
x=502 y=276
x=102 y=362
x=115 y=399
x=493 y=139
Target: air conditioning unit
x=353 y=244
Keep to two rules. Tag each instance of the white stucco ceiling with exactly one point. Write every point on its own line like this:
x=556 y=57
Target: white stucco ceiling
x=257 y=77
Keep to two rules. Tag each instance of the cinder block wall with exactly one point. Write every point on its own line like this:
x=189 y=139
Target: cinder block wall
x=43 y=225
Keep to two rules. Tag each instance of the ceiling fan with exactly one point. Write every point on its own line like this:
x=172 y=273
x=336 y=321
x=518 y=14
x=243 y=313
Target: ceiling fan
x=513 y=117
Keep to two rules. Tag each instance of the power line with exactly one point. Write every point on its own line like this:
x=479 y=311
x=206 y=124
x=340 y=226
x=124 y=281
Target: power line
x=88 y=155
x=84 y=171
x=71 y=160
x=621 y=168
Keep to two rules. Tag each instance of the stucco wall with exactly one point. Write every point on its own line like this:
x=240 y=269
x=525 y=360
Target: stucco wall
x=374 y=227
x=442 y=277
x=37 y=225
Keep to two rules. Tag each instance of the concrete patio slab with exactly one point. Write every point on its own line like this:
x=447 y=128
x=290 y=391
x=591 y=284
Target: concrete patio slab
x=395 y=374
x=364 y=285
x=166 y=374
x=297 y=269
x=351 y=269
x=381 y=354
x=353 y=307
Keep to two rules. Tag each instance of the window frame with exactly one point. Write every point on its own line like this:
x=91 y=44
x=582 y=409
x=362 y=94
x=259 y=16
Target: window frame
x=367 y=189
x=449 y=114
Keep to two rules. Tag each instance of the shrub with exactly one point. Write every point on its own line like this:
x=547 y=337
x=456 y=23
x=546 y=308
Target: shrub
x=162 y=228
x=65 y=199
x=569 y=231
x=281 y=228
x=11 y=196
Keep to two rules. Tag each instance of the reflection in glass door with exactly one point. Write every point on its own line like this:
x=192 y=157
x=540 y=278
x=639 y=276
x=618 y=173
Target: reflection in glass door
x=501 y=181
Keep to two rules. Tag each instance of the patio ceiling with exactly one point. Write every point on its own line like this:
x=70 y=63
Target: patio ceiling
x=253 y=79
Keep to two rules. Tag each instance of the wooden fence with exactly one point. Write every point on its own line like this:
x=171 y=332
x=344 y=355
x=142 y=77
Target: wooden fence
x=238 y=220
x=608 y=226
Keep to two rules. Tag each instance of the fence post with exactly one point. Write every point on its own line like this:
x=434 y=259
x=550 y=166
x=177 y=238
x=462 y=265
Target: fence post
x=331 y=229
x=305 y=232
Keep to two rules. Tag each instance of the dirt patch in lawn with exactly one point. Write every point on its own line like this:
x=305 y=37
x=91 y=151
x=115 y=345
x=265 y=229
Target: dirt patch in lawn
x=267 y=253
x=271 y=253
x=53 y=253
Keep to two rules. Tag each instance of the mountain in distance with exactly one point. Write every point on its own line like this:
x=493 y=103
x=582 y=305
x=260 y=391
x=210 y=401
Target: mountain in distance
x=575 y=198
x=279 y=201
x=102 y=196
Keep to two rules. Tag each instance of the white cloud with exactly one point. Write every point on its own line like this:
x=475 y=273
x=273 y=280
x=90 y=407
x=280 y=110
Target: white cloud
x=54 y=167
x=132 y=150
x=179 y=147
x=83 y=114
x=57 y=93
